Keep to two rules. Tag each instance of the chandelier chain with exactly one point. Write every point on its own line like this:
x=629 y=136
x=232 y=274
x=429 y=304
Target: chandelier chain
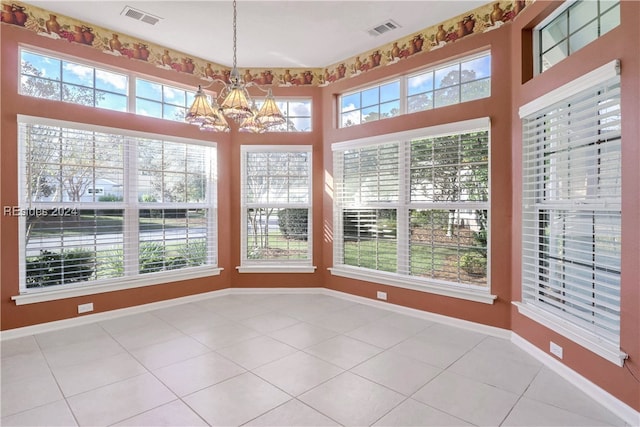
x=235 y=40
x=237 y=103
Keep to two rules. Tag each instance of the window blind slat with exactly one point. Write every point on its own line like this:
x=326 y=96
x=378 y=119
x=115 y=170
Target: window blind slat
x=417 y=207
x=104 y=206
x=571 y=226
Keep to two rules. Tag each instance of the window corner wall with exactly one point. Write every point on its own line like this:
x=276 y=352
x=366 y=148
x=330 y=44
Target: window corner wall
x=355 y=275
x=601 y=360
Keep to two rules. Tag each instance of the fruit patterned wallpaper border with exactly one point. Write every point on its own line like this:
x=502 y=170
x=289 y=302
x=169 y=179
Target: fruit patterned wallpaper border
x=482 y=19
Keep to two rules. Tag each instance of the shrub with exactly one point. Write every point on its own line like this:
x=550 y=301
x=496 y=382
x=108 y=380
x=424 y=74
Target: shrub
x=147 y=198
x=194 y=252
x=111 y=264
x=151 y=257
x=293 y=223
x=176 y=262
x=474 y=263
x=58 y=268
x=110 y=198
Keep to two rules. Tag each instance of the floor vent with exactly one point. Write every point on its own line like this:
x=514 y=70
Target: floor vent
x=139 y=15
x=383 y=28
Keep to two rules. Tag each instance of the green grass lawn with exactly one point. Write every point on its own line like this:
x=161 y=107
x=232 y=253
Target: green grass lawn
x=438 y=262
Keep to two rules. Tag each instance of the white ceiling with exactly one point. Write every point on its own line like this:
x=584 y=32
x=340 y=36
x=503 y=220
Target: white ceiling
x=275 y=34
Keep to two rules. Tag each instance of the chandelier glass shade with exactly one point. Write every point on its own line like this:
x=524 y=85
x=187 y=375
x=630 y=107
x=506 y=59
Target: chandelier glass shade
x=251 y=123
x=236 y=104
x=269 y=114
x=206 y=116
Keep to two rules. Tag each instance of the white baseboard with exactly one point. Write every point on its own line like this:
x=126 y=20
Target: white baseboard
x=439 y=318
x=276 y=290
x=99 y=317
x=613 y=404
x=107 y=315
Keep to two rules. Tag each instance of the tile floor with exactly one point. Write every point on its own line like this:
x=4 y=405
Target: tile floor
x=281 y=360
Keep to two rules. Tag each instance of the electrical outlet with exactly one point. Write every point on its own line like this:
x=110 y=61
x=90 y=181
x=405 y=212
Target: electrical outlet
x=85 y=308
x=382 y=295
x=555 y=349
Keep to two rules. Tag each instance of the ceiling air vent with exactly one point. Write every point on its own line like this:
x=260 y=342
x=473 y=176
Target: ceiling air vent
x=139 y=15
x=383 y=28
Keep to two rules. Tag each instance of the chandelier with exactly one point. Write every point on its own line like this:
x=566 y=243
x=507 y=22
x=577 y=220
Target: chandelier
x=236 y=103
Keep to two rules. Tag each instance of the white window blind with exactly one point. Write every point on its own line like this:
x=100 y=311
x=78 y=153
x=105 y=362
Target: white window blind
x=416 y=208
x=155 y=212
x=276 y=205
x=367 y=196
x=572 y=207
x=449 y=198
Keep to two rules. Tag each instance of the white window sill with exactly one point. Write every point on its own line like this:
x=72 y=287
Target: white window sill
x=33 y=296
x=276 y=269
x=574 y=333
x=470 y=293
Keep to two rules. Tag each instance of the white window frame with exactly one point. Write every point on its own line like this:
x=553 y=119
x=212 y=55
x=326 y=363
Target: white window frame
x=288 y=116
x=403 y=91
x=456 y=290
x=189 y=96
x=131 y=279
x=555 y=319
x=83 y=63
x=275 y=266
x=131 y=79
x=378 y=104
x=537 y=53
x=432 y=70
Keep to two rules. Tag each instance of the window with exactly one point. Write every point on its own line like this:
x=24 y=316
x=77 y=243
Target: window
x=276 y=207
x=450 y=84
x=415 y=205
x=463 y=80
x=572 y=207
x=102 y=207
x=162 y=101
x=297 y=113
x=573 y=28
x=51 y=78
x=370 y=104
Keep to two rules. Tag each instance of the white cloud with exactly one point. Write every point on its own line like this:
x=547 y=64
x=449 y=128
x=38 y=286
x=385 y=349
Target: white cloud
x=419 y=80
x=117 y=81
x=80 y=71
x=171 y=94
x=348 y=108
x=300 y=109
x=352 y=115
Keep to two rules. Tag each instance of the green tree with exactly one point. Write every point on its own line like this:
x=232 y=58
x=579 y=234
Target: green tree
x=451 y=169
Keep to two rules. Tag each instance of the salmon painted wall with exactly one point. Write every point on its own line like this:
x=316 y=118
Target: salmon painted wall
x=498 y=109
x=314 y=138
x=620 y=43
x=13 y=316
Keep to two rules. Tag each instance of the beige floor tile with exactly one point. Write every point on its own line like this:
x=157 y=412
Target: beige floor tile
x=55 y=414
x=343 y=351
x=352 y=400
x=119 y=401
x=412 y=413
x=469 y=400
x=236 y=401
x=398 y=372
x=197 y=373
x=175 y=414
x=292 y=413
x=297 y=372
